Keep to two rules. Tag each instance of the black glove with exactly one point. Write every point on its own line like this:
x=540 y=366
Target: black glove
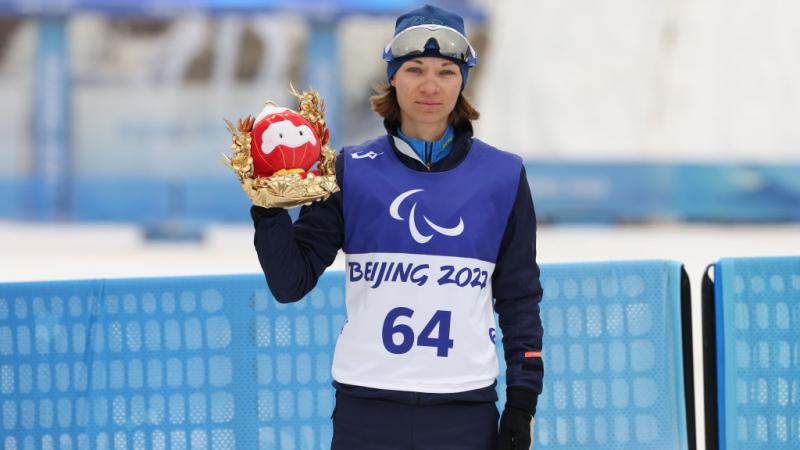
x=515 y=423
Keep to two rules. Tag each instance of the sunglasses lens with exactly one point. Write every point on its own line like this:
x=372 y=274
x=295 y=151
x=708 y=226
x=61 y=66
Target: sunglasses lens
x=413 y=41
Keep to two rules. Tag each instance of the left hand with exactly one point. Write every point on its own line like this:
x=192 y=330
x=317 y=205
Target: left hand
x=515 y=430
x=516 y=423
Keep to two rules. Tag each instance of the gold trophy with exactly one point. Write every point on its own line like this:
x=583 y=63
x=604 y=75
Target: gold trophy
x=273 y=154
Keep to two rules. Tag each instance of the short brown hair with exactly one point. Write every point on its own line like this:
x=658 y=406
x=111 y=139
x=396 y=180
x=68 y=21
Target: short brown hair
x=384 y=102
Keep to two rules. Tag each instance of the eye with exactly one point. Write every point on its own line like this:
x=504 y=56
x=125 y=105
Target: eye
x=301 y=132
x=280 y=135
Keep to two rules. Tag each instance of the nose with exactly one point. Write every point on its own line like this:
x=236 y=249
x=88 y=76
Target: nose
x=429 y=85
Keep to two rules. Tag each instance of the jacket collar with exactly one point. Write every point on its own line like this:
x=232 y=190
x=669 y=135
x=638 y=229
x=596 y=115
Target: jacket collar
x=461 y=144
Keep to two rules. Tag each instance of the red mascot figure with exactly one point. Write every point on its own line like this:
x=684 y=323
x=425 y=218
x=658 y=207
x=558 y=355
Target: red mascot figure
x=283 y=143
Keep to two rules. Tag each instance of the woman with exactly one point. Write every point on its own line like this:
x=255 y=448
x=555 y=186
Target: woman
x=434 y=224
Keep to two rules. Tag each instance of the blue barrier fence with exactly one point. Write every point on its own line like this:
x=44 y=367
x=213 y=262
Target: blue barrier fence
x=216 y=362
x=751 y=321
x=615 y=363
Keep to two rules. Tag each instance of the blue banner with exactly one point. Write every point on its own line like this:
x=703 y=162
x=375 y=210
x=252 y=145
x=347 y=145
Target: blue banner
x=625 y=192
x=562 y=192
x=173 y=7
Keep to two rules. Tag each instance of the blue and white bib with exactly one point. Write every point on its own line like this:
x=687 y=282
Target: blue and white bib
x=421 y=249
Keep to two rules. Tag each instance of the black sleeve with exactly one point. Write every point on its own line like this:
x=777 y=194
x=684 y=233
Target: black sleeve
x=518 y=292
x=293 y=256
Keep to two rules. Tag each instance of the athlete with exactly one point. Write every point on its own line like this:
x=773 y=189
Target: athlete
x=438 y=229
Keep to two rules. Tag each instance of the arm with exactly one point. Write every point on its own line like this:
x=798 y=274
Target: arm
x=518 y=292
x=293 y=256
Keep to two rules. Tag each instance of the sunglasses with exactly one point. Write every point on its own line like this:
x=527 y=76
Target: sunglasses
x=413 y=40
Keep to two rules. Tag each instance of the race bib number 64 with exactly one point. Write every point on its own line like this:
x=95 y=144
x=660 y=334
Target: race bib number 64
x=440 y=322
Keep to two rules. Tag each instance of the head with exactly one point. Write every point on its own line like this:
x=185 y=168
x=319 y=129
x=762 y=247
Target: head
x=428 y=63
x=430 y=31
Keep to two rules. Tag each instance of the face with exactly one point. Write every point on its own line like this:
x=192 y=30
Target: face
x=427 y=90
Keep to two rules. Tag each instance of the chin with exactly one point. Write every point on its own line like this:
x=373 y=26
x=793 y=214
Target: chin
x=430 y=116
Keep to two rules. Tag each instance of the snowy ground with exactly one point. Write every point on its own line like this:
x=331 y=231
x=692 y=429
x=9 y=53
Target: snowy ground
x=49 y=252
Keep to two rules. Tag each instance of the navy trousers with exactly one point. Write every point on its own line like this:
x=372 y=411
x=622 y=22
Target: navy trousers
x=372 y=424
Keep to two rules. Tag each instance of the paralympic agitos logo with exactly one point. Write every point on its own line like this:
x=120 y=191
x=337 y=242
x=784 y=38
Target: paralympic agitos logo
x=419 y=237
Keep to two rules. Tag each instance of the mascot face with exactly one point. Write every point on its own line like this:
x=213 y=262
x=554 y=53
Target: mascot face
x=282 y=139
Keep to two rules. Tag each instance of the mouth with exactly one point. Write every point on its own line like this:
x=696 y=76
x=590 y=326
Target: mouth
x=428 y=103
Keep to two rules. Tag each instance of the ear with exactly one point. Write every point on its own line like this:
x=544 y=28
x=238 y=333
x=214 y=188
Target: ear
x=391 y=82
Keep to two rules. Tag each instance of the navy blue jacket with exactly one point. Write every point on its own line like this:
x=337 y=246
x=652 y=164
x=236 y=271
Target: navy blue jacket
x=293 y=257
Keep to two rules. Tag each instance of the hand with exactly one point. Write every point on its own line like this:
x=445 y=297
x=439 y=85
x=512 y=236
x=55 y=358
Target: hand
x=515 y=430
x=516 y=423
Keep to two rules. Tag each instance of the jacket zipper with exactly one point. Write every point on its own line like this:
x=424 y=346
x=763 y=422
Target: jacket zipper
x=428 y=155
